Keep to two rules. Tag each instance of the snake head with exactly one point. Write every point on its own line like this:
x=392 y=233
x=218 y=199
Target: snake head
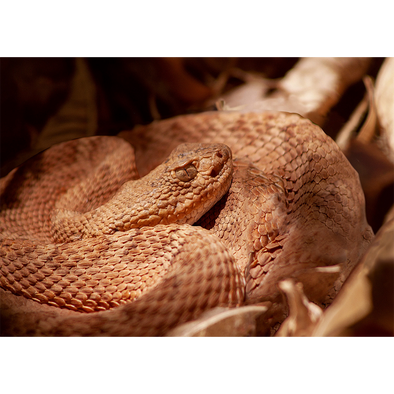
x=188 y=160
x=193 y=178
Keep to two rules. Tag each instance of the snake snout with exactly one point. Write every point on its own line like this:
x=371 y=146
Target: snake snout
x=220 y=157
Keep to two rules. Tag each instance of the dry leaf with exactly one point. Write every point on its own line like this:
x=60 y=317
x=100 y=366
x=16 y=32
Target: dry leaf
x=367 y=155
x=32 y=90
x=303 y=315
x=310 y=88
x=76 y=117
x=318 y=83
x=368 y=128
x=222 y=322
x=247 y=95
x=384 y=97
x=377 y=179
x=365 y=304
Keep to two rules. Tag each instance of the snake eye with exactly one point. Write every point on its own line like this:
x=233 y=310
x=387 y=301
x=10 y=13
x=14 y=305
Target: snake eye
x=186 y=173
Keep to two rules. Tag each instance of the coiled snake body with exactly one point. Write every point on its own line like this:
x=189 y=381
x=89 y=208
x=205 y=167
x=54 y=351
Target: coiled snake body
x=73 y=237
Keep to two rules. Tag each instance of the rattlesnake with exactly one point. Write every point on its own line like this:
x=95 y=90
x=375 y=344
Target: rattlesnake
x=295 y=208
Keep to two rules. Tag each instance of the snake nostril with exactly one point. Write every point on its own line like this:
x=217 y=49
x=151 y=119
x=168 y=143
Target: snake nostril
x=219 y=154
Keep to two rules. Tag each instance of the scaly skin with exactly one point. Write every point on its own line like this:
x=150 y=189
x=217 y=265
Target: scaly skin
x=94 y=261
x=295 y=209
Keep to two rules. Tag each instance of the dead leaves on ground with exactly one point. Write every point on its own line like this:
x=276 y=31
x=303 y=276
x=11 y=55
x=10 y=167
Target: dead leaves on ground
x=310 y=88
